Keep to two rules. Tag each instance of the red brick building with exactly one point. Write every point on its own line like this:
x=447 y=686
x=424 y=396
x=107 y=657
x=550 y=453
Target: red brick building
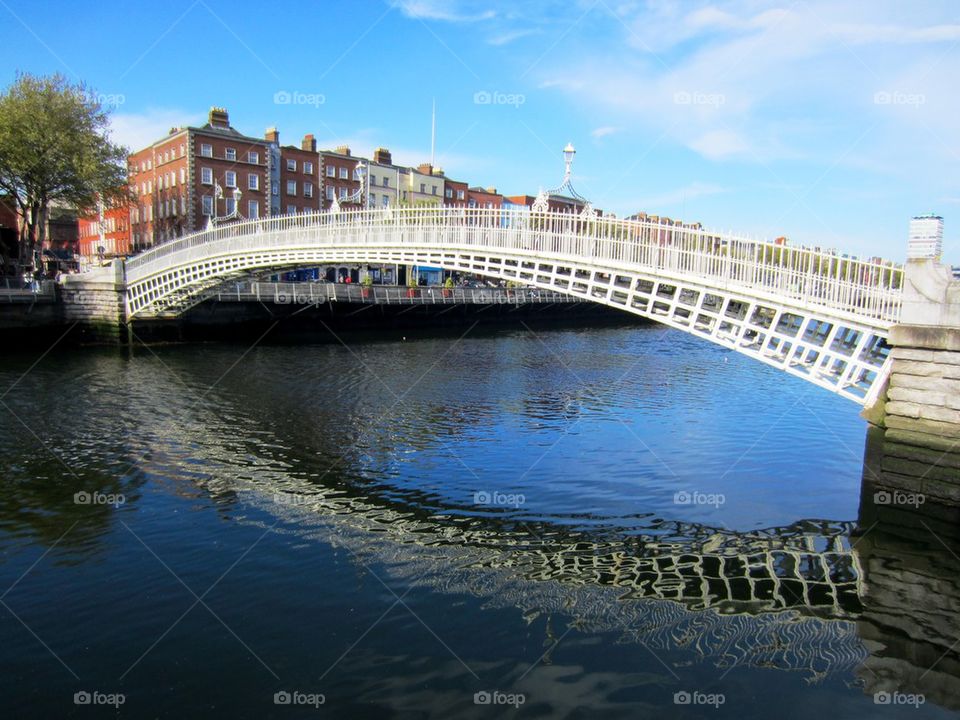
x=455 y=193
x=484 y=197
x=116 y=238
x=555 y=203
x=340 y=177
x=175 y=180
x=301 y=185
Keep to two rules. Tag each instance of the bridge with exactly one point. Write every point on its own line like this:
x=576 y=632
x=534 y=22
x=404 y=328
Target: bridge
x=812 y=314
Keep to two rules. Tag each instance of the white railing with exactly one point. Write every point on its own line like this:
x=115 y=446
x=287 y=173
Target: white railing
x=868 y=288
x=291 y=293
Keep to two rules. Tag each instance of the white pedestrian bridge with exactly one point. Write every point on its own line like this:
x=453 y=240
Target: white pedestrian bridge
x=817 y=315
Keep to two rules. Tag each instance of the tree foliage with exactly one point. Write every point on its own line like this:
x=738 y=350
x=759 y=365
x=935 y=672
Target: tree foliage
x=55 y=149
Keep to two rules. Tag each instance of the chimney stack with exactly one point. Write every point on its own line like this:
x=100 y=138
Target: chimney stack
x=382 y=156
x=272 y=135
x=218 y=117
x=308 y=143
x=425 y=169
x=343 y=150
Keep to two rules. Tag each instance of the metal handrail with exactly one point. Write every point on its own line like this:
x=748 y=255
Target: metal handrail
x=868 y=288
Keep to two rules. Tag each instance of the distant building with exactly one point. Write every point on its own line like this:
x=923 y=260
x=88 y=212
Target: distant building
x=340 y=177
x=383 y=181
x=484 y=198
x=422 y=185
x=555 y=203
x=114 y=240
x=300 y=185
x=175 y=180
x=926 y=237
x=455 y=193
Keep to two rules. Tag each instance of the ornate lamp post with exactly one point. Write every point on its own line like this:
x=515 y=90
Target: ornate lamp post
x=541 y=204
x=217 y=196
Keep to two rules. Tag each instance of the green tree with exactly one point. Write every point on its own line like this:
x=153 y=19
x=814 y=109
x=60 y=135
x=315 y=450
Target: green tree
x=55 y=148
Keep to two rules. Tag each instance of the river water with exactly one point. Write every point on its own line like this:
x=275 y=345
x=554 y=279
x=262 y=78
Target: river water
x=617 y=522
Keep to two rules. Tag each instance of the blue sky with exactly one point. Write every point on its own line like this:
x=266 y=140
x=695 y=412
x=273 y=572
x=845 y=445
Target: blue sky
x=828 y=122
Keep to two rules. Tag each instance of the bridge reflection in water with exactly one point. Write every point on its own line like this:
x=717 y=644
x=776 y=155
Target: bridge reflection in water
x=877 y=601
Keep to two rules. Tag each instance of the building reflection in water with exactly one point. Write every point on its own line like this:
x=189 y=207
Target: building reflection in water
x=908 y=546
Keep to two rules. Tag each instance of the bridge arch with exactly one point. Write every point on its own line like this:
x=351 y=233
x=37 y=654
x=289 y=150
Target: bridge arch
x=815 y=315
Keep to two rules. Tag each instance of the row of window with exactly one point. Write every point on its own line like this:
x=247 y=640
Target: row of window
x=253 y=207
x=206 y=150
x=307 y=166
x=230 y=178
x=307 y=188
x=344 y=173
x=449 y=194
x=169 y=155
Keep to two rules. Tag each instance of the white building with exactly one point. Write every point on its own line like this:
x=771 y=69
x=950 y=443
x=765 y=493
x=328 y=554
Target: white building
x=383 y=180
x=926 y=237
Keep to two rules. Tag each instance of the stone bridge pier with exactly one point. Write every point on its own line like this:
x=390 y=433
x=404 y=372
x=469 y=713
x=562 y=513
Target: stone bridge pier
x=914 y=446
x=96 y=302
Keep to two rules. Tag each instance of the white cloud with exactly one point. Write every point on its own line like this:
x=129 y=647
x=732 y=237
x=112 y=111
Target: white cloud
x=138 y=130
x=603 y=131
x=444 y=11
x=507 y=37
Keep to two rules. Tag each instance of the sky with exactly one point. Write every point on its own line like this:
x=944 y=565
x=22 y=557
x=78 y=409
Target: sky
x=829 y=122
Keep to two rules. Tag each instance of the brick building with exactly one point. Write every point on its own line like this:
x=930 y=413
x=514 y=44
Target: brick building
x=300 y=187
x=454 y=193
x=484 y=197
x=116 y=238
x=340 y=178
x=174 y=180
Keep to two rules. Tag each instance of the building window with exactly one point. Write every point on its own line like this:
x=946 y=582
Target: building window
x=291 y=209
x=291 y=187
x=329 y=193
x=344 y=173
x=433 y=190
x=253 y=157
x=166 y=156
x=207 y=205
x=307 y=167
x=183 y=175
x=343 y=193
x=183 y=149
x=331 y=171
x=206 y=150
x=231 y=206
x=448 y=193
x=386 y=200
x=308 y=189
x=230 y=153
x=230 y=179
x=291 y=165
x=423 y=188
x=459 y=194
x=356 y=173
x=183 y=205
x=372 y=200
x=253 y=181
x=206 y=176
x=253 y=209
x=386 y=181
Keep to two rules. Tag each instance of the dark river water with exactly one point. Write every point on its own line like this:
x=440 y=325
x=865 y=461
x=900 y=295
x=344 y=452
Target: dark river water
x=621 y=522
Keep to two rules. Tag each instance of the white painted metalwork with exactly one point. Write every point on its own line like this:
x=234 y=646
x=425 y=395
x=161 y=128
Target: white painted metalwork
x=816 y=315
